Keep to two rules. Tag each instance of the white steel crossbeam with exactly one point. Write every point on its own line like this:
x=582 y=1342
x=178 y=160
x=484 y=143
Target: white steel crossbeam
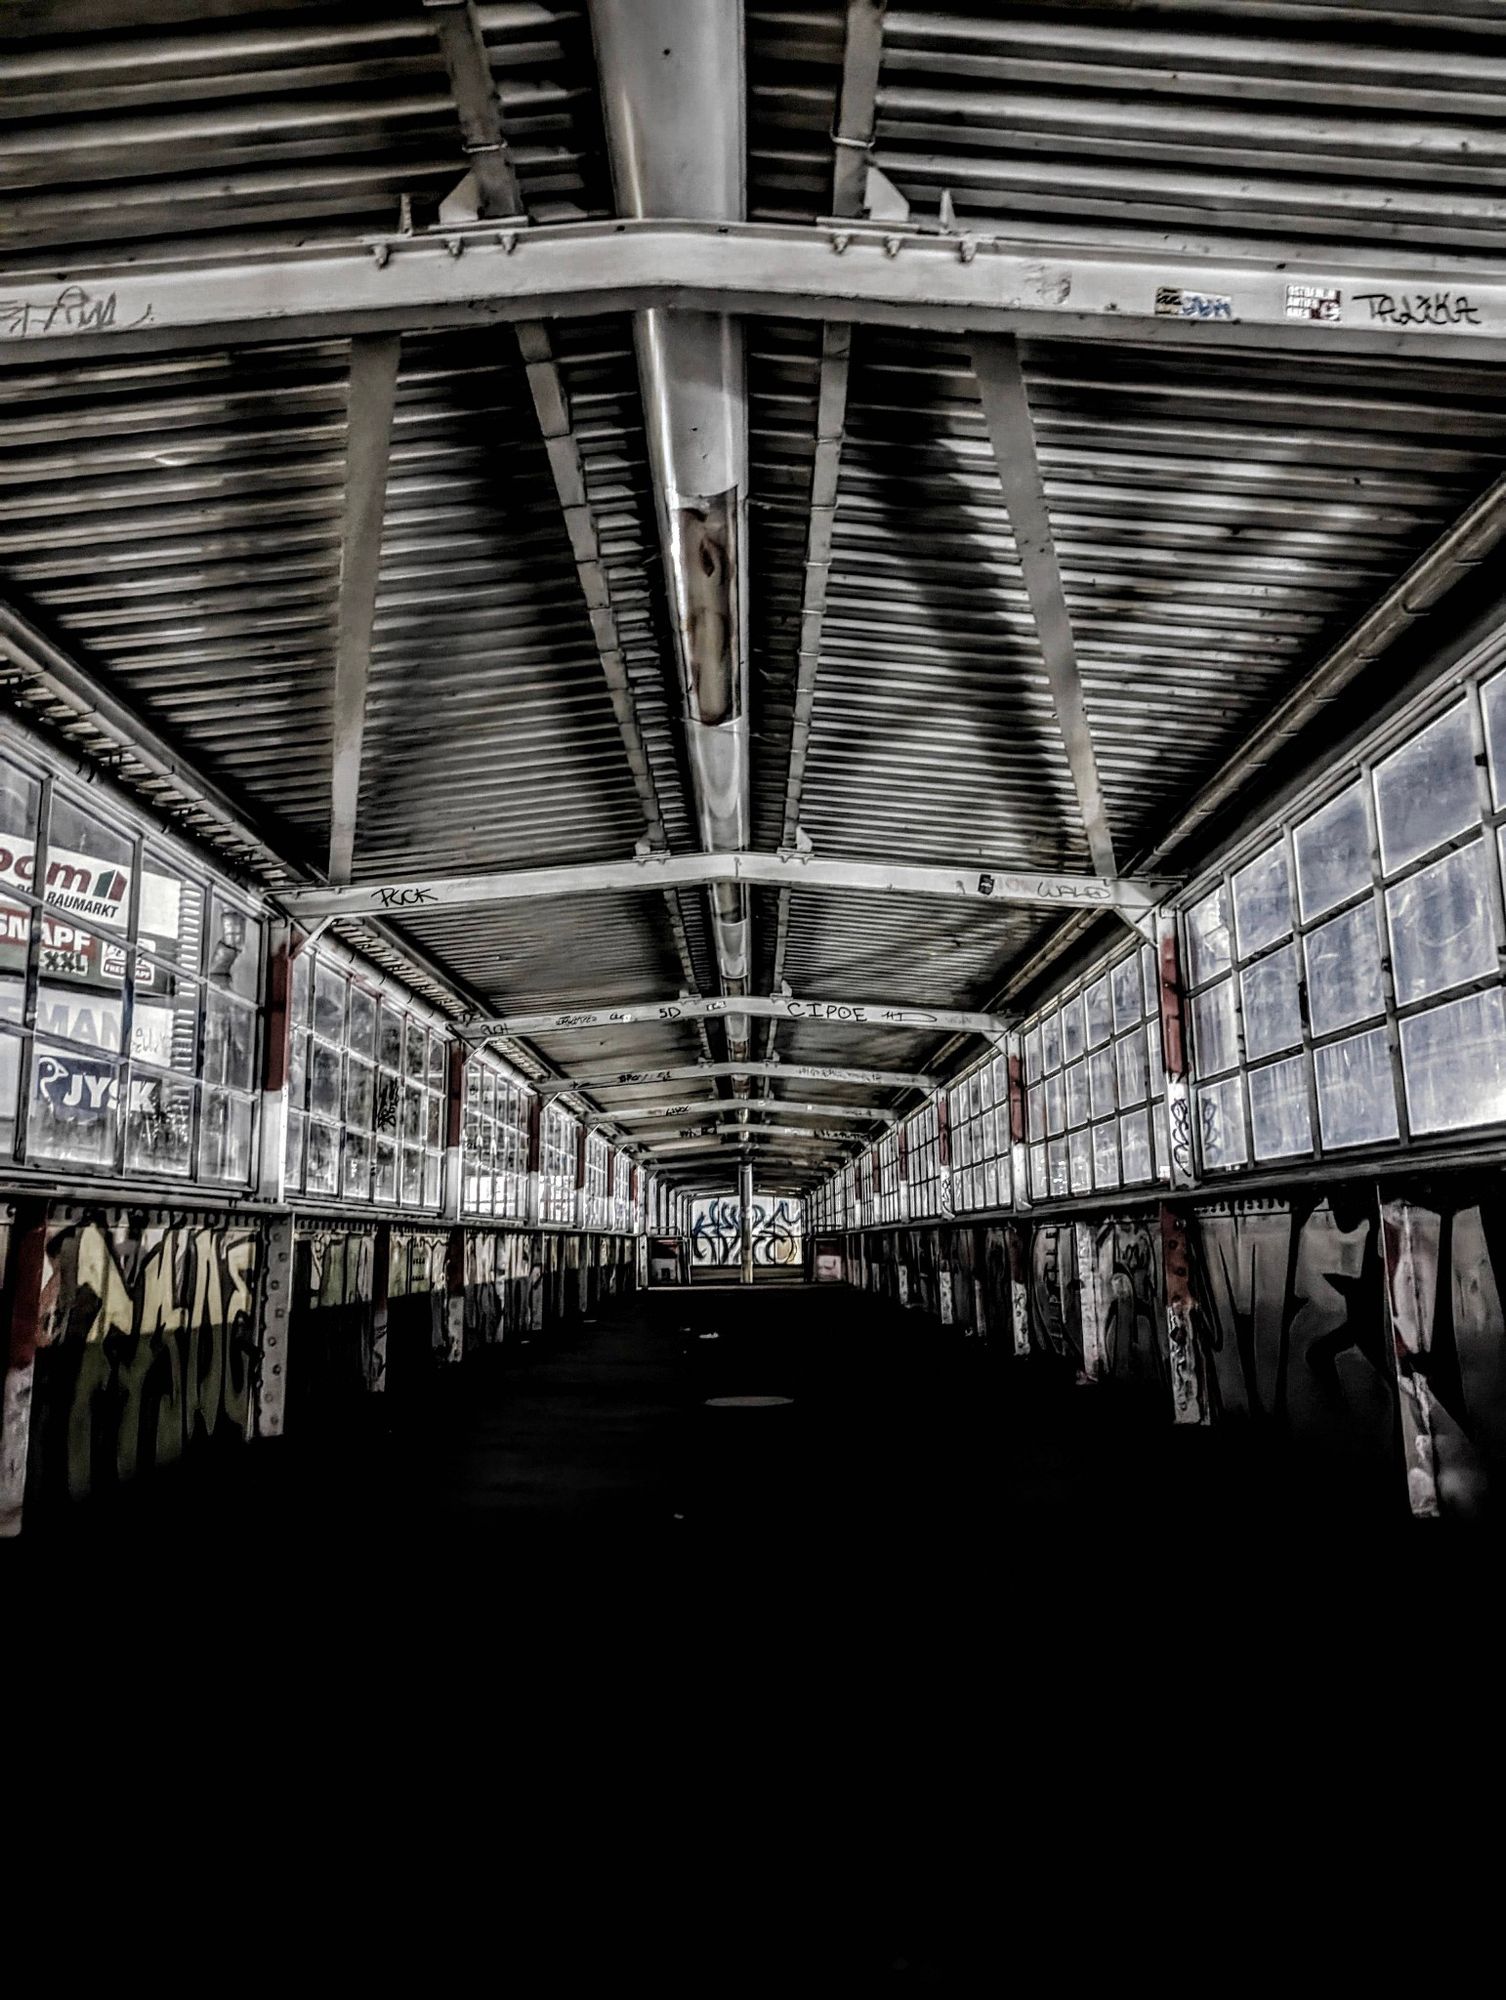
x=780 y=871
x=775 y=1006
x=902 y=275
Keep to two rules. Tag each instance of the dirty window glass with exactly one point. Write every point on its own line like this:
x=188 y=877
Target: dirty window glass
x=1426 y=791
x=1333 y=854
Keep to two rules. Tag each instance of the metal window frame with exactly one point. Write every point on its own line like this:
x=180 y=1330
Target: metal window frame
x=1461 y=688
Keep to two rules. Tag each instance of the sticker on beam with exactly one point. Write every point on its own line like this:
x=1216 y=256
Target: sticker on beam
x=1175 y=302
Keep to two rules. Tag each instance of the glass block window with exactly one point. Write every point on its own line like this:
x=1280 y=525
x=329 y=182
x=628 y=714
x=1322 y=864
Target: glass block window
x=366 y=1091
x=623 y=1218
x=557 y=1140
x=1095 y=1084
x=130 y=981
x=494 y=1143
x=1345 y=983
x=922 y=1144
x=978 y=1114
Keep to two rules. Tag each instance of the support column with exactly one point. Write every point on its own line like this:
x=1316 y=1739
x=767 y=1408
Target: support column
x=454 y=1131
x=1019 y=1298
x=582 y=1145
x=1019 y=1149
x=381 y=1299
x=1174 y=1051
x=270 y=1185
x=1089 y=1302
x=21 y=1301
x=274 y=1316
x=535 y=1148
x=1189 y=1396
x=745 y=1197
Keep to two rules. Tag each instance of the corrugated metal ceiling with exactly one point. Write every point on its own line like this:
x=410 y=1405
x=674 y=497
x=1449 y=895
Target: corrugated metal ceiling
x=1220 y=518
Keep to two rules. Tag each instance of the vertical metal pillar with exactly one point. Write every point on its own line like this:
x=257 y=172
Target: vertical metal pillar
x=1173 y=1051
x=745 y=1200
x=22 y=1303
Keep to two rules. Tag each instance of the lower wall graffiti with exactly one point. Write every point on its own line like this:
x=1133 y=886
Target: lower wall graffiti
x=1362 y=1325
x=147 y=1346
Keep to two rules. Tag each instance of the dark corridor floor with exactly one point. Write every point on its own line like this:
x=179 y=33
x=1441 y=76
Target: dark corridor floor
x=931 y=1633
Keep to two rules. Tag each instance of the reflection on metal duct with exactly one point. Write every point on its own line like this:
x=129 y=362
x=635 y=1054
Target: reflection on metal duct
x=672 y=84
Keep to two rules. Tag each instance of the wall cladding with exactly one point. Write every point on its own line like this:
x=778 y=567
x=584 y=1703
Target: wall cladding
x=1361 y=1325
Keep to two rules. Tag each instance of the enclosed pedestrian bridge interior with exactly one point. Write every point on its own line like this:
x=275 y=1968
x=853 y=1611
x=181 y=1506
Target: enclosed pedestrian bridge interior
x=692 y=686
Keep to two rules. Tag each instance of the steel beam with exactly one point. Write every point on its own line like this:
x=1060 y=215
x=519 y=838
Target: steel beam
x=1011 y=433
x=696 y=1107
x=797 y=872
x=462 y=275
x=852 y=139
x=372 y=399
x=471 y=83
x=777 y=1006
x=729 y=1128
x=626 y=1079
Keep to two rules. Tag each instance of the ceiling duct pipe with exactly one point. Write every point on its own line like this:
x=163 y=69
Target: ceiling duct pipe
x=672 y=89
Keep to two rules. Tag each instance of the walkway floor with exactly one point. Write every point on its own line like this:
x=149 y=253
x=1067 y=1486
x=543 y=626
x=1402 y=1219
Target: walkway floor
x=889 y=1628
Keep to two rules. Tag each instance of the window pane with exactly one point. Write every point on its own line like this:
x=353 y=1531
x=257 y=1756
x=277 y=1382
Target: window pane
x=76 y=1015
x=390 y=1040
x=1344 y=971
x=1077 y=1094
x=1033 y=1055
x=1072 y=1028
x=1222 y=1112
x=234 y=950
x=1356 y=1104
x=436 y=1059
x=388 y=1098
x=329 y=1003
x=1035 y=1104
x=1051 y=1040
x=1209 y=949
x=413 y=1113
x=1494 y=696
x=88 y=863
x=1060 y=1178
x=1100 y=1012
x=298 y=1059
x=172 y=913
x=416 y=1051
x=1038 y=1182
x=1056 y=1104
x=1081 y=1144
x=20 y=794
x=1454 y=1061
x=165 y=1033
x=229 y=1040
x=73 y=1109
x=1279 y=1120
x=1441 y=928
x=1262 y=901
x=384 y=1177
x=357 y=1169
x=323 y=1143
x=225 y=1132
x=299 y=988
x=1214 y=1042
x=413 y=1176
x=10 y=1092
x=359 y=1095
x=1333 y=854
x=1125 y=980
x=360 y=1033
x=324 y=1082
x=1105 y=1155
x=1134 y=1145
x=1101 y=1074
x=1129 y=1053
x=1273 y=1017
x=1426 y=791
x=159 y=1125
x=292 y=1151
